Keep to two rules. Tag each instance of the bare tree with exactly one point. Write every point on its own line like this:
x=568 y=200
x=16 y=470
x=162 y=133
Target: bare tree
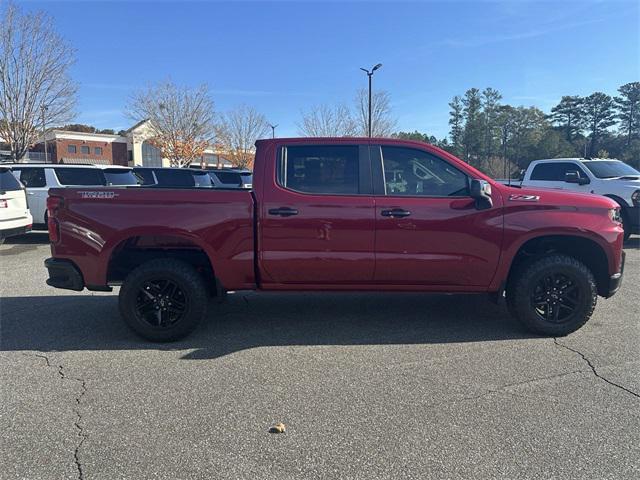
x=34 y=78
x=180 y=119
x=238 y=131
x=382 y=122
x=327 y=121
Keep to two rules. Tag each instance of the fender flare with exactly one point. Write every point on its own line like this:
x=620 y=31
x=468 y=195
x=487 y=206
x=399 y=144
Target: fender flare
x=620 y=201
x=506 y=262
x=114 y=242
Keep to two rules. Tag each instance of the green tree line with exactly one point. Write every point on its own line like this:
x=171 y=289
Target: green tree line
x=502 y=139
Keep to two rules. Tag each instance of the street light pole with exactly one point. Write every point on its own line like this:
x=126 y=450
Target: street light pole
x=273 y=130
x=43 y=108
x=370 y=74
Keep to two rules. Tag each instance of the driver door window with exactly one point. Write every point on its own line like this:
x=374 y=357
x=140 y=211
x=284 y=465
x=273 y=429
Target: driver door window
x=410 y=172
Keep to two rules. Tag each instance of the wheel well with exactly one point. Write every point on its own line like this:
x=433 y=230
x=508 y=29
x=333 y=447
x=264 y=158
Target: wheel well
x=618 y=200
x=134 y=251
x=582 y=249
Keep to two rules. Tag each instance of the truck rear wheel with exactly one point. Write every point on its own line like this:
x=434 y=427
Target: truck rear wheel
x=553 y=295
x=163 y=300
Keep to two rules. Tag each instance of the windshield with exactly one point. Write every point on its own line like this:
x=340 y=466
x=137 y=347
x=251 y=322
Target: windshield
x=611 y=169
x=120 y=177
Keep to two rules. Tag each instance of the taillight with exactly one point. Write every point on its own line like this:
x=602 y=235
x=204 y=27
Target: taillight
x=4 y=203
x=53 y=205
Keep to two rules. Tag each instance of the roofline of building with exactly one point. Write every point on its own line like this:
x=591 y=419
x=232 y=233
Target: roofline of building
x=53 y=133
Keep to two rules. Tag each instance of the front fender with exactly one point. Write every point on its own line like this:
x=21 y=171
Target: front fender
x=525 y=223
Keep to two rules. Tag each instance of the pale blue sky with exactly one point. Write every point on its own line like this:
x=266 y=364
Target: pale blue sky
x=283 y=57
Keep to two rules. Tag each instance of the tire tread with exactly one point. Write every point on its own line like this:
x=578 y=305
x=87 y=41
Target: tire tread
x=518 y=299
x=178 y=269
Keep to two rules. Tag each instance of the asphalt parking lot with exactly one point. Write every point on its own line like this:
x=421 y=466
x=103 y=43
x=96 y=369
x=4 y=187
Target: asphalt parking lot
x=369 y=386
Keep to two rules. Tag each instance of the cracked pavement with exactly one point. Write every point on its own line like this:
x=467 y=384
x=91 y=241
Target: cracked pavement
x=368 y=385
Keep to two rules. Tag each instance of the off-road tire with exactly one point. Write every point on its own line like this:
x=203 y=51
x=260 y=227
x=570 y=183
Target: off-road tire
x=523 y=283
x=188 y=281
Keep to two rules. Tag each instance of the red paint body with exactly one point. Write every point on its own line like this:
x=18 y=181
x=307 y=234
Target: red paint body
x=336 y=242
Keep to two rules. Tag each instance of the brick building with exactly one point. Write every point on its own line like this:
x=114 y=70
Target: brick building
x=80 y=147
x=133 y=148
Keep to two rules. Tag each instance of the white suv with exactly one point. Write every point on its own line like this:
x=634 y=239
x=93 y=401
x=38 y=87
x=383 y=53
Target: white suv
x=15 y=218
x=39 y=178
x=611 y=178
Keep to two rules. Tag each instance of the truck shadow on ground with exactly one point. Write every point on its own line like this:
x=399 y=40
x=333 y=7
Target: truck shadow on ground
x=24 y=243
x=244 y=321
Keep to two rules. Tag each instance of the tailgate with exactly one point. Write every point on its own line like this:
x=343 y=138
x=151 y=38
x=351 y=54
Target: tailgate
x=13 y=200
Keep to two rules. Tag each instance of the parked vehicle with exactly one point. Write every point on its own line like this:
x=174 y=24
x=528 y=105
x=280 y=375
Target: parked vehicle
x=231 y=178
x=173 y=177
x=38 y=178
x=611 y=178
x=339 y=214
x=15 y=218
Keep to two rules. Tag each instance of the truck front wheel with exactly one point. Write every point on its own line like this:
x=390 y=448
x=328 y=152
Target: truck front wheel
x=553 y=295
x=163 y=300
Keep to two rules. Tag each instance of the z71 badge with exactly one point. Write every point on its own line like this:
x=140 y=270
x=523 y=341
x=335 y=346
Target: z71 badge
x=520 y=197
x=107 y=195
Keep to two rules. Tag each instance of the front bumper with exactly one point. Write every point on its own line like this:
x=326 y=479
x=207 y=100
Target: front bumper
x=64 y=274
x=12 y=232
x=616 y=280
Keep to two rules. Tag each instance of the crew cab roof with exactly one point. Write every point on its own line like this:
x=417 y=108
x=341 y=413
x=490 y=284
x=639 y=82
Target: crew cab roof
x=577 y=159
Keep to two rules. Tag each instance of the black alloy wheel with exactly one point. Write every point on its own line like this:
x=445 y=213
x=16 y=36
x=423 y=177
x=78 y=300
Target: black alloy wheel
x=161 y=303
x=163 y=300
x=556 y=297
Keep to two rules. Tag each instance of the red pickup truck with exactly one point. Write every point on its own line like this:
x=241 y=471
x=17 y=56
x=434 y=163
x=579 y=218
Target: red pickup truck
x=339 y=214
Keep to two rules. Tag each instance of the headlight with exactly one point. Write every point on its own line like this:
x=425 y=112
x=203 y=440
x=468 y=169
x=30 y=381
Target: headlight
x=614 y=215
x=635 y=198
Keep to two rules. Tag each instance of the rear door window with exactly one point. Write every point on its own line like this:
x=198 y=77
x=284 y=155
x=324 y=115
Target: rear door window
x=320 y=169
x=145 y=175
x=202 y=179
x=117 y=176
x=33 y=177
x=79 y=176
x=247 y=178
x=8 y=183
x=230 y=178
x=555 y=171
x=175 y=178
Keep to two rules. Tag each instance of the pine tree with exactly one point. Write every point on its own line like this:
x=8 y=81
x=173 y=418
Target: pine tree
x=598 y=115
x=456 y=121
x=628 y=105
x=567 y=115
x=472 y=142
x=490 y=106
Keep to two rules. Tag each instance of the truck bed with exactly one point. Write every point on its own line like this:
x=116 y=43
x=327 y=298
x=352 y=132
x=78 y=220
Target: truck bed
x=101 y=228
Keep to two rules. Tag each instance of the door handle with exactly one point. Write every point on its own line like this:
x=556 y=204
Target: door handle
x=395 y=213
x=283 y=211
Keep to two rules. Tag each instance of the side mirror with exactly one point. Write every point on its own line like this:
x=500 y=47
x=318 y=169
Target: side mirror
x=480 y=190
x=574 y=177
